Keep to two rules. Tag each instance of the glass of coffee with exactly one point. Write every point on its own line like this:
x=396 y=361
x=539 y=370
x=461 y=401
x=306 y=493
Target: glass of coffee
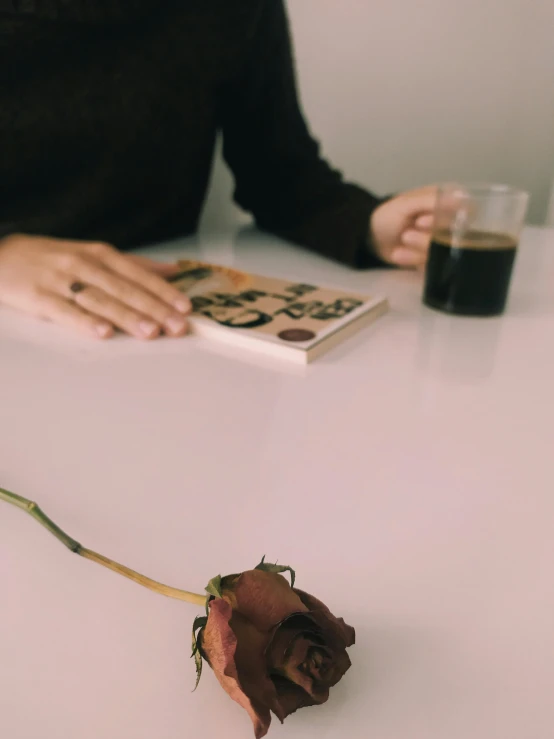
x=473 y=247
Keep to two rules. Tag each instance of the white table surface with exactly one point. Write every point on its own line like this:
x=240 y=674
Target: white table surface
x=408 y=477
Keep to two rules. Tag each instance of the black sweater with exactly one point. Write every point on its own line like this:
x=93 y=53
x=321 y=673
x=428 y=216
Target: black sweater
x=109 y=111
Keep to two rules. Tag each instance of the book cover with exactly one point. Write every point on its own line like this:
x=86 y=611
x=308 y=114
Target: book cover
x=282 y=318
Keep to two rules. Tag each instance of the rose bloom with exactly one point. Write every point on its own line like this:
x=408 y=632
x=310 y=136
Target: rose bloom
x=272 y=647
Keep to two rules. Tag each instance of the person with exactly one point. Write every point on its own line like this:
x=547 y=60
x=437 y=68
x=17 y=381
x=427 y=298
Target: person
x=109 y=113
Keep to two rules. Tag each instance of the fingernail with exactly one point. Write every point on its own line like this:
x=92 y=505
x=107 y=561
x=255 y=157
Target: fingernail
x=182 y=305
x=148 y=328
x=176 y=324
x=103 y=330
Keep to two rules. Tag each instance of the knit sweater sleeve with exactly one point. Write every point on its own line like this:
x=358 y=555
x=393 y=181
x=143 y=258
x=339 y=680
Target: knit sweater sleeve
x=280 y=175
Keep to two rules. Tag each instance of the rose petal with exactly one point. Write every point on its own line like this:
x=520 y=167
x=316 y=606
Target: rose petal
x=293 y=672
x=264 y=598
x=219 y=644
x=284 y=641
x=288 y=653
x=294 y=649
x=290 y=696
x=340 y=665
x=251 y=664
x=324 y=616
x=289 y=650
x=287 y=631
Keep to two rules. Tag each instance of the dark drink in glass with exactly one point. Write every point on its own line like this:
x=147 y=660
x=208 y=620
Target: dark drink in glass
x=473 y=249
x=470 y=276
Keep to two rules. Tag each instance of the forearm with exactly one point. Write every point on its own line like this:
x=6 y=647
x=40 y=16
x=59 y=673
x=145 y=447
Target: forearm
x=281 y=177
x=338 y=228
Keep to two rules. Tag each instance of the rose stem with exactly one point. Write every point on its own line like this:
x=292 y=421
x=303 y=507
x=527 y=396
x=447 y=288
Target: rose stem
x=35 y=511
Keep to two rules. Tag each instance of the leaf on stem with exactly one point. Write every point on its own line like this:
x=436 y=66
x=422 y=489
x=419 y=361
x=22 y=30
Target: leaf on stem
x=214 y=587
x=199 y=623
x=278 y=569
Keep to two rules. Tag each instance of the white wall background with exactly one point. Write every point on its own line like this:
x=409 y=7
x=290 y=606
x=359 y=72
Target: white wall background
x=550 y=214
x=407 y=93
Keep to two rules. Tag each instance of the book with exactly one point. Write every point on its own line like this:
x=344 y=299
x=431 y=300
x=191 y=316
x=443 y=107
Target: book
x=280 y=318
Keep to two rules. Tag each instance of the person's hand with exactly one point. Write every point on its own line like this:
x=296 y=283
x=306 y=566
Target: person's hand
x=90 y=287
x=400 y=228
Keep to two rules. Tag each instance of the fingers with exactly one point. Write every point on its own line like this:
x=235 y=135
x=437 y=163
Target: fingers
x=424 y=222
x=144 y=305
x=413 y=251
x=135 y=272
x=54 y=308
x=96 y=301
x=423 y=200
x=451 y=209
x=405 y=257
x=120 y=292
x=417 y=240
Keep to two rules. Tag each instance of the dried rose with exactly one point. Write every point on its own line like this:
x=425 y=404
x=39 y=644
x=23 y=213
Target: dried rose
x=272 y=647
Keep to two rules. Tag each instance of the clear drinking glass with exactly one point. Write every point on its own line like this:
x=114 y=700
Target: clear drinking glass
x=476 y=232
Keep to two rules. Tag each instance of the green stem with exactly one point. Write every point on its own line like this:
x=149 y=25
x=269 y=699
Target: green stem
x=35 y=511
